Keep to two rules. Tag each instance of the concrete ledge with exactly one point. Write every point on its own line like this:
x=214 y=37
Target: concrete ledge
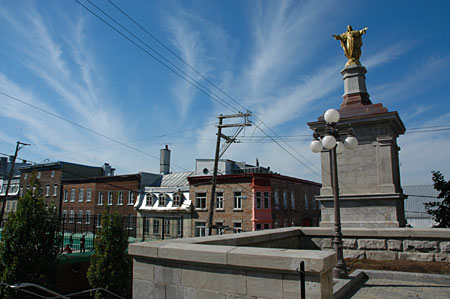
x=431 y=233
x=282 y=259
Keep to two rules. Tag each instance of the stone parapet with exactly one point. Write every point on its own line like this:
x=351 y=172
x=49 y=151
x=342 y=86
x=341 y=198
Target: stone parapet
x=384 y=243
x=226 y=266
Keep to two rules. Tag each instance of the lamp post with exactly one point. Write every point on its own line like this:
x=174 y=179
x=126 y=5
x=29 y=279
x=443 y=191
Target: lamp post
x=331 y=141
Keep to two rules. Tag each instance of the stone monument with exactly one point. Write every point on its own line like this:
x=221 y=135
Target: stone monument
x=369 y=177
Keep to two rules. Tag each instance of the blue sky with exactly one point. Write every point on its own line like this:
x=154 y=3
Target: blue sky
x=275 y=58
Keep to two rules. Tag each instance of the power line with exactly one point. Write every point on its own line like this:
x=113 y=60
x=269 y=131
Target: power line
x=209 y=95
x=177 y=56
x=207 y=92
x=83 y=127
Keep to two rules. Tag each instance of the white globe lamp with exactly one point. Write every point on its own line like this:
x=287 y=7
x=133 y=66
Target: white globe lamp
x=351 y=142
x=329 y=141
x=331 y=116
x=316 y=146
x=339 y=147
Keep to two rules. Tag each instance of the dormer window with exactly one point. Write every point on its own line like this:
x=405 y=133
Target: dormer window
x=162 y=200
x=177 y=199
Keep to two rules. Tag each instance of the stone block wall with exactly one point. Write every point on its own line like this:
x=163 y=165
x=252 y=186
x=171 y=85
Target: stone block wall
x=195 y=268
x=384 y=244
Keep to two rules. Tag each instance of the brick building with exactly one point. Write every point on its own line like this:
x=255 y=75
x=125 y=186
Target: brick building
x=53 y=175
x=251 y=198
x=85 y=200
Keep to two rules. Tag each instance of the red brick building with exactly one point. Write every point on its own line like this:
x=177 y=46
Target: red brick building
x=250 y=200
x=52 y=176
x=85 y=200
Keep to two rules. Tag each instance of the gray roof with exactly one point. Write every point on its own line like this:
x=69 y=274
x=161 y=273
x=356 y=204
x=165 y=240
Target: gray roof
x=417 y=196
x=176 y=179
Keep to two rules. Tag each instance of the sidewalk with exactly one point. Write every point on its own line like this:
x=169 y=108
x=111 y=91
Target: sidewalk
x=388 y=284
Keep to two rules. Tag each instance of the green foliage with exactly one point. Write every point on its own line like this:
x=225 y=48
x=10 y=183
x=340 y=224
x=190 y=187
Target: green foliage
x=440 y=211
x=110 y=264
x=29 y=245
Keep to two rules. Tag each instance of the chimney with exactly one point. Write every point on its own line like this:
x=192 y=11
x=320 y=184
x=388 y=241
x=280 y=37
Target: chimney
x=108 y=170
x=164 y=162
x=257 y=162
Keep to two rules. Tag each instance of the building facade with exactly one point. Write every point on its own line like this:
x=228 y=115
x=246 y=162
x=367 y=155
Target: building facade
x=165 y=210
x=251 y=198
x=84 y=201
x=53 y=175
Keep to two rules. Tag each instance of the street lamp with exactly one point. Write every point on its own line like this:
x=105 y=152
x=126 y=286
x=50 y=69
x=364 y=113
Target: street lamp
x=331 y=141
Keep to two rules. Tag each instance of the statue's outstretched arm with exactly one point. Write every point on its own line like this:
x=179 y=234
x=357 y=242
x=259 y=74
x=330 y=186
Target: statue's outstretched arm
x=337 y=37
x=363 y=31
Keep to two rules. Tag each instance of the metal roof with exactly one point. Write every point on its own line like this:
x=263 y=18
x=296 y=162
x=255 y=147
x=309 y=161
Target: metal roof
x=176 y=179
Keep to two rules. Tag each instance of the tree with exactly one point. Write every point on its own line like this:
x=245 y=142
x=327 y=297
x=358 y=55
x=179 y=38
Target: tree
x=110 y=264
x=440 y=211
x=29 y=245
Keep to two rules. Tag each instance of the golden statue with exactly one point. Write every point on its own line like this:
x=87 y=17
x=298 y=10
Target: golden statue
x=351 y=42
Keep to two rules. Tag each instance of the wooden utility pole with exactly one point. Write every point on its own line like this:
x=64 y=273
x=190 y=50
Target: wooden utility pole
x=218 y=155
x=11 y=173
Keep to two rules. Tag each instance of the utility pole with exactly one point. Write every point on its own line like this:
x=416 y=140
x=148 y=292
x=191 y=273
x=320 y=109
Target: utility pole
x=11 y=173
x=220 y=153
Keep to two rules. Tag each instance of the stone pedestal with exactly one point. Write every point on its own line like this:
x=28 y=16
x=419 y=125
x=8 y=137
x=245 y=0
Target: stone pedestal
x=369 y=176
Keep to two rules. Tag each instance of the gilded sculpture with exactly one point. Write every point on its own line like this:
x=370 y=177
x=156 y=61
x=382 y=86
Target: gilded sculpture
x=351 y=42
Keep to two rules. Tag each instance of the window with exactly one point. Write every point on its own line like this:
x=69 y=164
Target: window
x=88 y=217
x=286 y=223
x=266 y=226
x=162 y=200
x=146 y=226
x=8 y=206
x=81 y=195
x=176 y=199
x=110 y=198
x=258 y=226
x=200 y=229
x=148 y=200
x=55 y=190
x=80 y=216
x=219 y=228
x=47 y=190
x=167 y=226
x=306 y=202
x=200 y=201
x=100 y=198
x=277 y=224
x=72 y=195
x=120 y=198
x=130 y=198
x=13 y=206
x=99 y=220
x=219 y=200
x=292 y=200
x=21 y=191
x=237 y=227
x=25 y=176
x=238 y=200
x=130 y=225
x=39 y=175
x=277 y=200
x=258 y=200
x=64 y=216
x=179 y=227
x=71 y=216
x=156 y=226
x=284 y=200
x=65 y=195
x=266 y=200
x=88 y=194
x=53 y=174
